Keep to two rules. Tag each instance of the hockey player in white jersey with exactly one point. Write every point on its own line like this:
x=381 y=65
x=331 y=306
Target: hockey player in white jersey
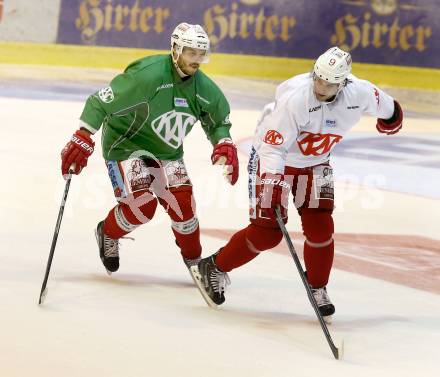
x=291 y=150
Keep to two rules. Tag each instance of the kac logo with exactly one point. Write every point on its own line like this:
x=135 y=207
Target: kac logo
x=273 y=137
x=106 y=95
x=316 y=144
x=173 y=126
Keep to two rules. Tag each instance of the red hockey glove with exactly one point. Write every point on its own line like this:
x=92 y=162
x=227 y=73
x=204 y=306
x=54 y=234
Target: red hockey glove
x=225 y=153
x=273 y=193
x=392 y=125
x=76 y=151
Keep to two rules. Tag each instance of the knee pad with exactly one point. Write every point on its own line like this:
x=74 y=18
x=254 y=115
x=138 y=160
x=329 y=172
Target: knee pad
x=262 y=238
x=317 y=225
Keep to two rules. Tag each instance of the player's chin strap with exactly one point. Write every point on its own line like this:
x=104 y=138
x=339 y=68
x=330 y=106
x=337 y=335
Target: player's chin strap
x=333 y=99
x=176 y=65
x=340 y=87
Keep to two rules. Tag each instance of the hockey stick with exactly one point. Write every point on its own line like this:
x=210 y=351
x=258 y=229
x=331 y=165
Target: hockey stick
x=337 y=352
x=43 y=291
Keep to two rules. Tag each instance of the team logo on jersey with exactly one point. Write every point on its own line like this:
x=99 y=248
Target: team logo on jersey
x=106 y=95
x=180 y=102
x=226 y=120
x=173 y=126
x=316 y=144
x=273 y=137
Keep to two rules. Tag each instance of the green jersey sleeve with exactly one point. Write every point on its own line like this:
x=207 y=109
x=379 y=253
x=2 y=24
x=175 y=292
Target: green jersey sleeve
x=123 y=92
x=214 y=115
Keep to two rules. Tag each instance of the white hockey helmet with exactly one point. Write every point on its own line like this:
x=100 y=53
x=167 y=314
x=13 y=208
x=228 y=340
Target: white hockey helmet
x=187 y=35
x=333 y=66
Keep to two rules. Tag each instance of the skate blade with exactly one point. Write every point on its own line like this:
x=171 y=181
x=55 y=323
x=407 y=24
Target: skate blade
x=341 y=350
x=195 y=274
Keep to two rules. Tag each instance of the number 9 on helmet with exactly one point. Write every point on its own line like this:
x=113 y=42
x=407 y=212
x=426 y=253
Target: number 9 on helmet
x=333 y=66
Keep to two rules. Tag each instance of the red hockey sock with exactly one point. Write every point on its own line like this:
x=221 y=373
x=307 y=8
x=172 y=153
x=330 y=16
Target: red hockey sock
x=189 y=244
x=235 y=253
x=318 y=261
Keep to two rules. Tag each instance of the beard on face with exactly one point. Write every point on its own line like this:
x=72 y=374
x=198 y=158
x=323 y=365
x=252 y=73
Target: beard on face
x=191 y=69
x=188 y=68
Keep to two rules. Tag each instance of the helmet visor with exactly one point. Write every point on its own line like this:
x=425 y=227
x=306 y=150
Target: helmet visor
x=195 y=55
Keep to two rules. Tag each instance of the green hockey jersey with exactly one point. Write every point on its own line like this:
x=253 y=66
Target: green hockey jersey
x=150 y=108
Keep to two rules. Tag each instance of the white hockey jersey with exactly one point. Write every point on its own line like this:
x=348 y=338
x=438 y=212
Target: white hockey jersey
x=297 y=130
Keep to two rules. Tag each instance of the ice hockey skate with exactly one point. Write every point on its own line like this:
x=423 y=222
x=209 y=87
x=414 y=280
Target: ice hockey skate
x=191 y=262
x=108 y=249
x=211 y=281
x=325 y=306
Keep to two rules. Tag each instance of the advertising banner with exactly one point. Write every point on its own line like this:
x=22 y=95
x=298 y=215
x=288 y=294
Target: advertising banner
x=375 y=31
x=29 y=21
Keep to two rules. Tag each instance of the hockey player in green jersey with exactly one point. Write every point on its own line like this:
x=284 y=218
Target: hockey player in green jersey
x=145 y=114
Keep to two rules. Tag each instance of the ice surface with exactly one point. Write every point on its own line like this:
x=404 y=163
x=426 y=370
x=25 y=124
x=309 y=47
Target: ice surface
x=148 y=318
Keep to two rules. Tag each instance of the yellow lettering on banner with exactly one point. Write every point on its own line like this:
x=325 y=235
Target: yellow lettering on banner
x=245 y=20
x=341 y=36
x=84 y=19
x=86 y=15
x=146 y=14
x=366 y=30
x=349 y=35
x=407 y=32
x=134 y=14
x=97 y=15
x=233 y=21
x=286 y=23
x=393 y=34
x=422 y=32
x=221 y=22
x=378 y=30
x=120 y=14
x=119 y=18
x=212 y=17
x=271 y=22
x=161 y=15
x=108 y=17
x=259 y=21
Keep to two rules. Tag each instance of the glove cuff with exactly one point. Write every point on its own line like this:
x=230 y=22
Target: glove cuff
x=393 y=124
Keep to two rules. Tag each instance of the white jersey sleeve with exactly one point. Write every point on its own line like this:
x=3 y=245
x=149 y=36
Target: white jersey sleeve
x=375 y=102
x=276 y=131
